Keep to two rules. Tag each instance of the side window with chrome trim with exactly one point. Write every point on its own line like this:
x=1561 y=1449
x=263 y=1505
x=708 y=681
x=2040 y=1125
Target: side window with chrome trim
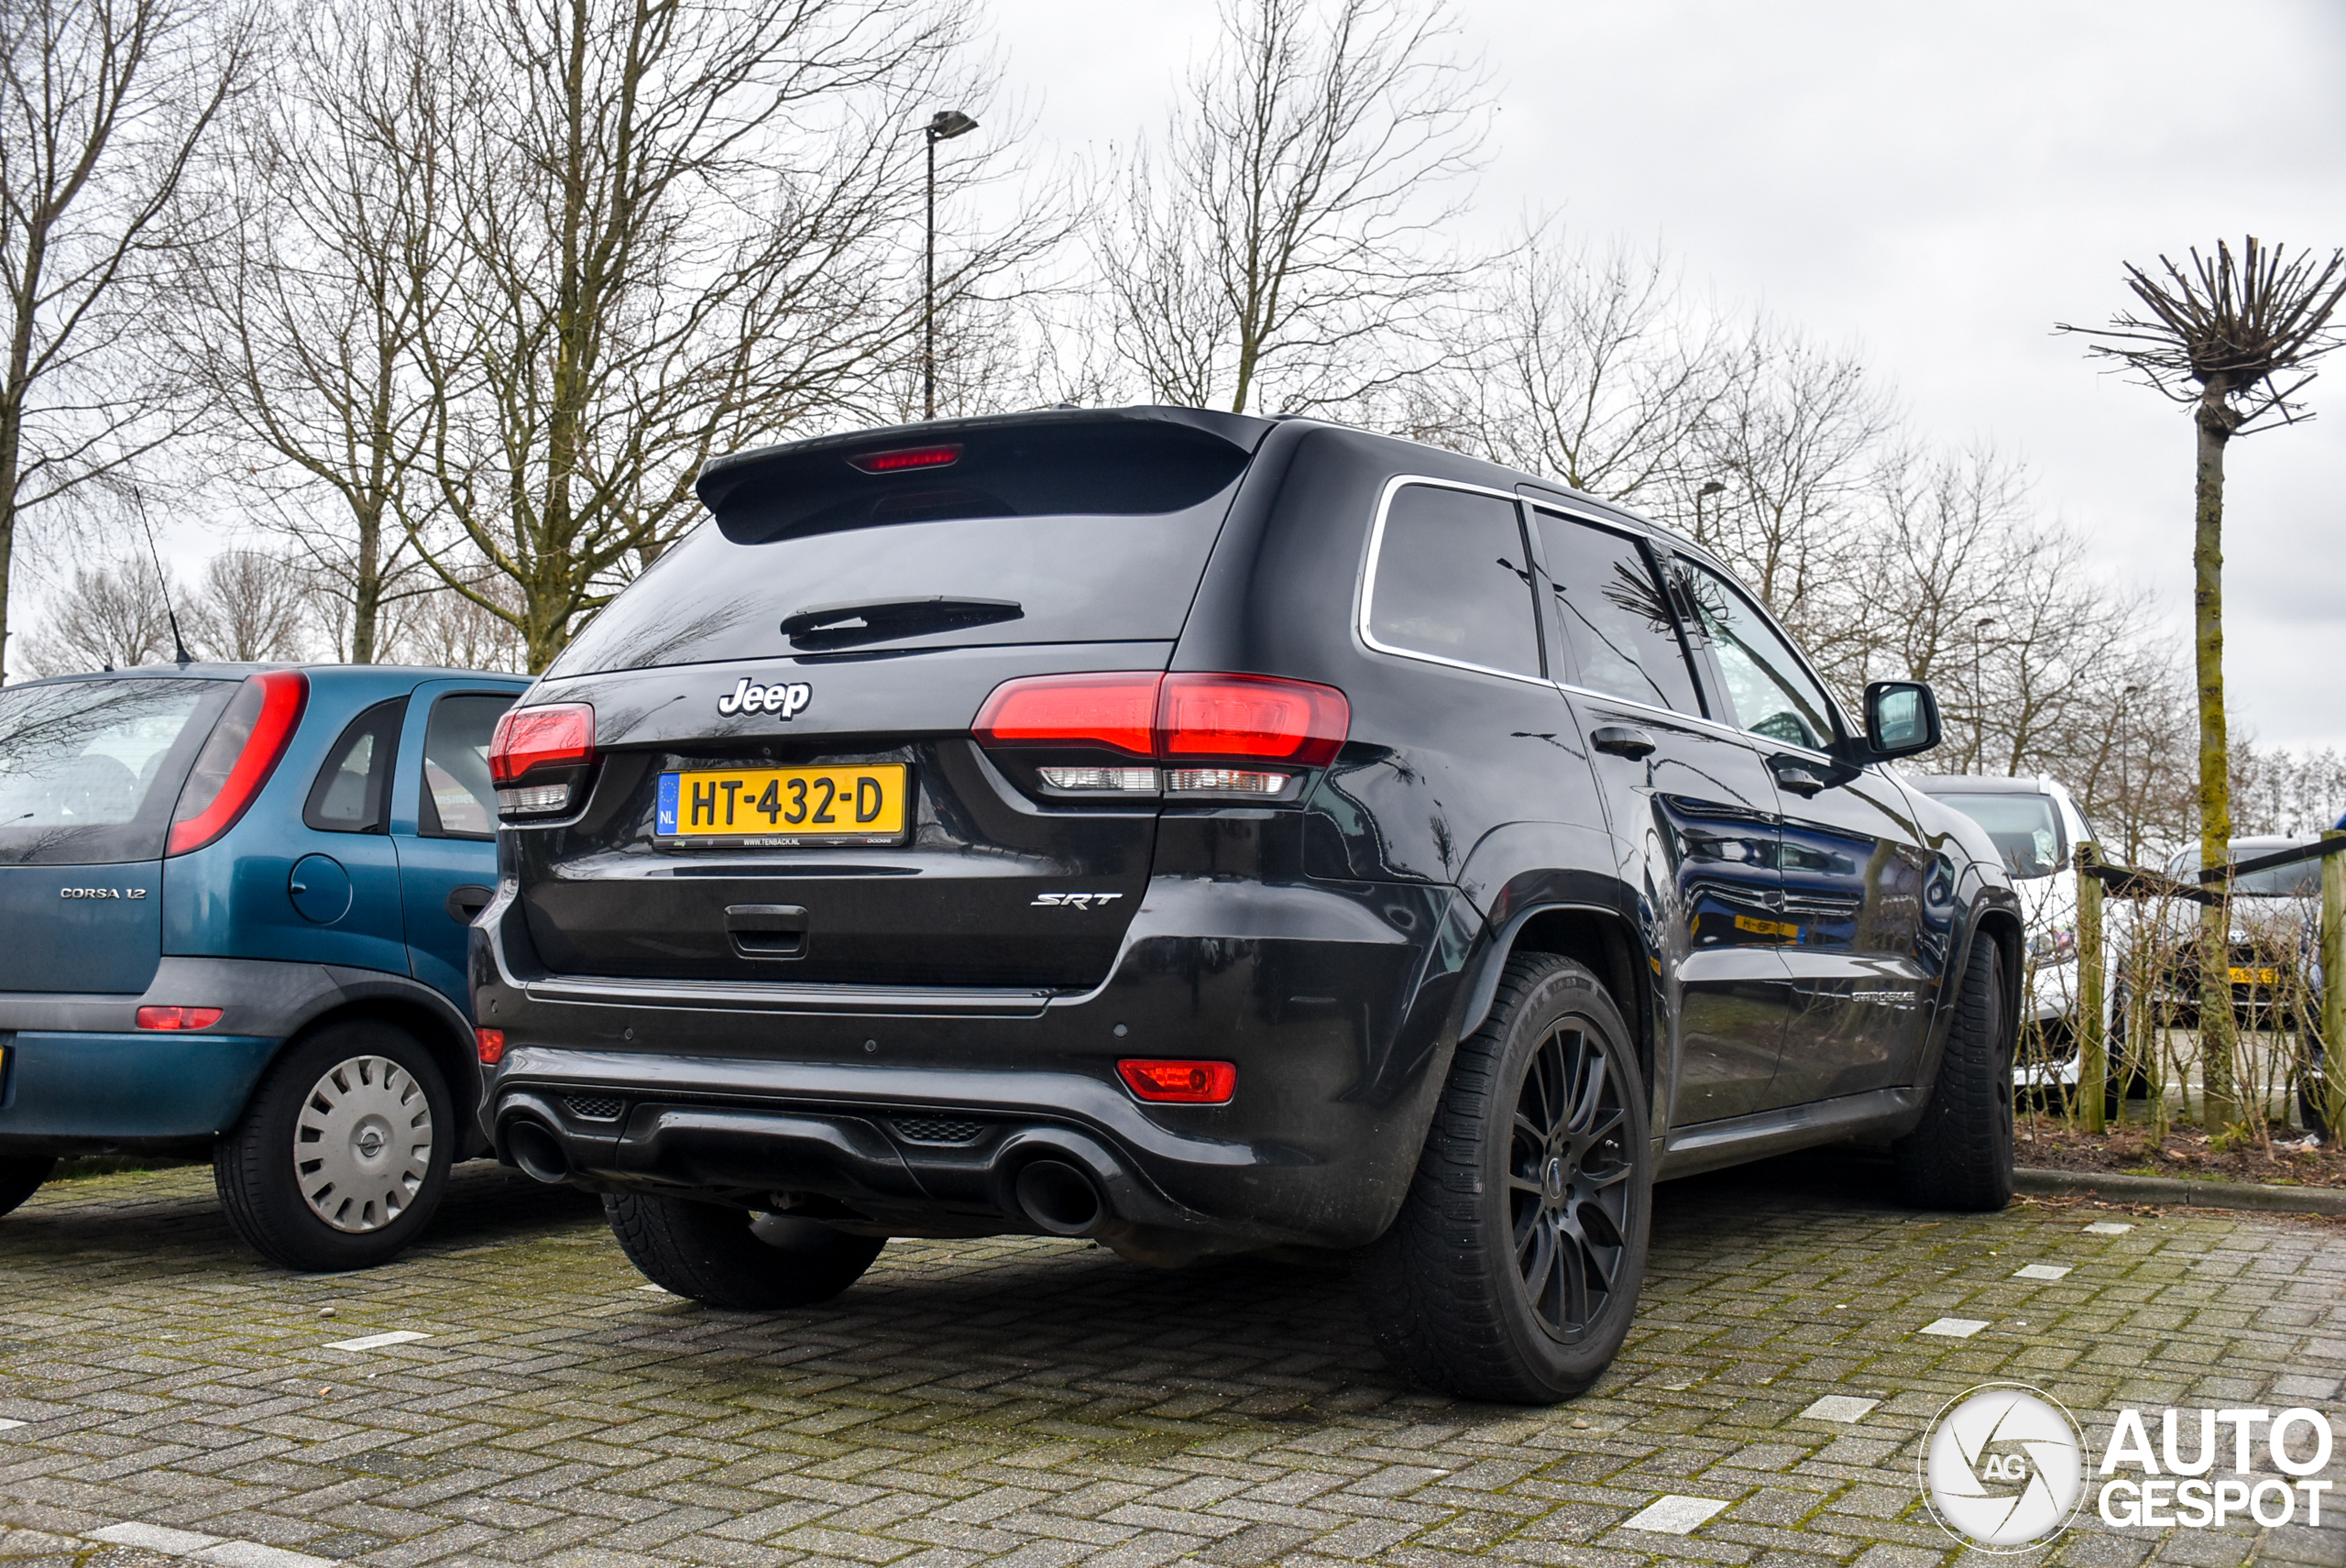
x=1453 y=581
x=1771 y=695
x=1620 y=636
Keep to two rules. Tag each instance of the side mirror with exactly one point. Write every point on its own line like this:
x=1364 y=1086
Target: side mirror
x=1901 y=719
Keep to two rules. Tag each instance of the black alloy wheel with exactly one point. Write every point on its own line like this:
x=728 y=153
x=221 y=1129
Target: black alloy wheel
x=1568 y=1180
x=1513 y=1269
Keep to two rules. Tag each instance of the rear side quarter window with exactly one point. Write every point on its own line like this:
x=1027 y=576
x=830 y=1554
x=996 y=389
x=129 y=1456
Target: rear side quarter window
x=459 y=801
x=1452 y=581
x=351 y=793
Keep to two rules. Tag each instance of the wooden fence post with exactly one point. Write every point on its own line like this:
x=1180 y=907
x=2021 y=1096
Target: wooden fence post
x=2332 y=1094
x=2093 y=1048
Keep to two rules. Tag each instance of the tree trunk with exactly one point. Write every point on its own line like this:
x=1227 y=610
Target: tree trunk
x=2218 y=1037
x=367 y=585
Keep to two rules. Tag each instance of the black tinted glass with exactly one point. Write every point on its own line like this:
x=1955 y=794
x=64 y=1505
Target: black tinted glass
x=1452 y=580
x=459 y=801
x=89 y=770
x=351 y=793
x=1091 y=578
x=1620 y=636
x=1772 y=696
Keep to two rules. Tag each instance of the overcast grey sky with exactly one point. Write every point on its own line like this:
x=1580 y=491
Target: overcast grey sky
x=1937 y=184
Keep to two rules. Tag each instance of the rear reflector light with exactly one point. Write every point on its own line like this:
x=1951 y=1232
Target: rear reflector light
x=178 y=1017
x=551 y=736
x=896 y=461
x=490 y=1044
x=1181 y=1082
x=1121 y=781
x=1250 y=717
x=237 y=758
x=1223 y=781
x=1115 y=711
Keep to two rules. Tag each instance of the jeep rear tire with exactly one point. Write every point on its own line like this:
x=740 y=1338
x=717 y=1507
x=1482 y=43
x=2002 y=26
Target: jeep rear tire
x=343 y=1155
x=1960 y=1156
x=1513 y=1270
x=733 y=1259
x=20 y=1178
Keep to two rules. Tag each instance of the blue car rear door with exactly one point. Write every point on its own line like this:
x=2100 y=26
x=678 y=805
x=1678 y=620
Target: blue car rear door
x=444 y=819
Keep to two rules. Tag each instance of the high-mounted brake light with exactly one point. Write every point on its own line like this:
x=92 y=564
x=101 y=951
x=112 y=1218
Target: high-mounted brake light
x=551 y=736
x=896 y=461
x=178 y=1017
x=237 y=758
x=1254 y=719
x=1181 y=1082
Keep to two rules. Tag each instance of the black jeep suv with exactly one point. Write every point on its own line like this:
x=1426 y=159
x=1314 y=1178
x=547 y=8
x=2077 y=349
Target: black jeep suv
x=1202 y=833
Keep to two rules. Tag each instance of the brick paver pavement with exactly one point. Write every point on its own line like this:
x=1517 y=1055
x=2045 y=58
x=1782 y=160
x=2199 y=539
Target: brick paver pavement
x=1027 y=1402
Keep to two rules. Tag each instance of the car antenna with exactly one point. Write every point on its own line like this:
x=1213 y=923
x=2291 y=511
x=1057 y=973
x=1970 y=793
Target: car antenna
x=162 y=583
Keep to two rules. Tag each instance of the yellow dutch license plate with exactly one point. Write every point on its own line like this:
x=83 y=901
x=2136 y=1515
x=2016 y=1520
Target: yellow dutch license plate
x=861 y=805
x=2256 y=977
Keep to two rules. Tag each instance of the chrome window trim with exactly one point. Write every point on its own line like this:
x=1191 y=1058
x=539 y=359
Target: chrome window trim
x=1365 y=588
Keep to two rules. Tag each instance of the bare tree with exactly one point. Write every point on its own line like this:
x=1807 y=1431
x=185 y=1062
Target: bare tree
x=453 y=630
x=1283 y=246
x=306 y=318
x=681 y=233
x=103 y=105
x=2234 y=340
x=251 y=604
x=113 y=617
x=1591 y=369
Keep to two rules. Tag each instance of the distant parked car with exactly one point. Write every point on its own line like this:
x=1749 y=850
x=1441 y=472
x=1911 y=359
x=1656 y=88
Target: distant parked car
x=2037 y=826
x=234 y=901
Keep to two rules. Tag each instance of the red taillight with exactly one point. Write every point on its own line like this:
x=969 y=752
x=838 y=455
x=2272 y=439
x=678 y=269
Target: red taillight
x=896 y=461
x=528 y=738
x=490 y=1044
x=1252 y=716
x=178 y=1017
x=237 y=758
x=1181 y=1082
x=1257 y=717
x=1115 y=710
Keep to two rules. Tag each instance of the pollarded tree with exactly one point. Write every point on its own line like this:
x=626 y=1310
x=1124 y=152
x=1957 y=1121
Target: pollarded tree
x=2234 y=339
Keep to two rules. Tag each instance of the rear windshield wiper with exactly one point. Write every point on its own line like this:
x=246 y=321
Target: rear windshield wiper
x=879 y=620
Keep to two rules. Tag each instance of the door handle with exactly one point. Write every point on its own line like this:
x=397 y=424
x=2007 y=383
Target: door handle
x=1797 y=776
x=466 y=901
x=1621 y=740
x=767 y=930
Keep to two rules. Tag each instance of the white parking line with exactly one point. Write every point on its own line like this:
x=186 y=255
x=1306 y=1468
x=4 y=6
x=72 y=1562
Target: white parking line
x=218 y=1550
x=2108 y=1228
x=1839 y=1408
x=375 y=1342
x=9 y=1426
x=2043 y=1271
x=1955 y=1327
x=1673 y=1515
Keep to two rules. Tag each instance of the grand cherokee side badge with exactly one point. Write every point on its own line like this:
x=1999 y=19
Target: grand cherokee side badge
x=786 y=700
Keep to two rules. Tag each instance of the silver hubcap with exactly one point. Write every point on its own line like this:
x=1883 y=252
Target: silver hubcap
x=362 y=1144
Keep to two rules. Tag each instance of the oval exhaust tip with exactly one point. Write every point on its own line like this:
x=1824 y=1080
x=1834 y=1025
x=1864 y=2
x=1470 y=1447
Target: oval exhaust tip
x=538 y=1152
x=1060 y=1198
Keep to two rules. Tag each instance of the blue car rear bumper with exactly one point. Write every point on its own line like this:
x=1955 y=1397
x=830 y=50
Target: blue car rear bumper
x=83 y=1087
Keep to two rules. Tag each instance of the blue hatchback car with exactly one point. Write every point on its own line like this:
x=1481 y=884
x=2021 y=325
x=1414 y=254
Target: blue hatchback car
x=234 y=902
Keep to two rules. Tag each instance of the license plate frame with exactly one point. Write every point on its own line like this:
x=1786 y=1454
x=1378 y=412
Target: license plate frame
x=740 y=817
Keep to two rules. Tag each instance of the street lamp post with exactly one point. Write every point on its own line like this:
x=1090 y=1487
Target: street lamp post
x=1712 y=487
x=945 y=126
x=1978 y=693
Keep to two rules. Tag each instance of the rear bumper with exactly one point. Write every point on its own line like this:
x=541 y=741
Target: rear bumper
x=67 y=1093
x=1331 y=999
